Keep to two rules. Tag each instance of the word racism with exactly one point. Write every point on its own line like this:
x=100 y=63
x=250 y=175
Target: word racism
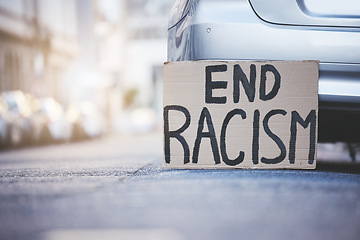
x=253 y=101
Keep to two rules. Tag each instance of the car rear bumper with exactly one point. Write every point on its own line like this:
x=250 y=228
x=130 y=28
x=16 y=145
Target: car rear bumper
x=339 y=103
x=230 y=30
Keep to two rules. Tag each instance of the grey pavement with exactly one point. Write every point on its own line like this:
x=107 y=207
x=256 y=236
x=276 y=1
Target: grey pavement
x=116 y=188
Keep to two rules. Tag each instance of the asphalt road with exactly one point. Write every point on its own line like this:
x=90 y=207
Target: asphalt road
x=116 y=188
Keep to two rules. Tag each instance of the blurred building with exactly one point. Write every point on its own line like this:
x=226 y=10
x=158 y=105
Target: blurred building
x=96 y=74
x=37 y=43
x=109 y=52
x=66 y=49
x=146 y=45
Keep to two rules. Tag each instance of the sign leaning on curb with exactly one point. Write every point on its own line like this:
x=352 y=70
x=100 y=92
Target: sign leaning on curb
x=238 y=114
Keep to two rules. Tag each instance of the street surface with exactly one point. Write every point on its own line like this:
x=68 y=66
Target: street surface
x=116 y=188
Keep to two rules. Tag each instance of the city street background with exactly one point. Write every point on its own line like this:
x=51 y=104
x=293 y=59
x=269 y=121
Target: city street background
x=76 y=69
x=82 y=146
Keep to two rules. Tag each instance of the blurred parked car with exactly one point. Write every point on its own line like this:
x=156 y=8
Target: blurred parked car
x=88 y=121
x=19 y=112
x=4 y=124
x=328 y=31
x=91 y=119
x=36 y=118
x=57 y=127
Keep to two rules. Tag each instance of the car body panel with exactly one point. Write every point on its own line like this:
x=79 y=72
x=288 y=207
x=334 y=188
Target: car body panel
x=230 y=30
x=238 y=30
x=345 y=13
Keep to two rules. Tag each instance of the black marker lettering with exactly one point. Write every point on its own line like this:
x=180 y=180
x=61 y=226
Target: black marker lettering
x=176 y=134
x=310 y=119
x=249 y=86
x=205 y=115
x=264 y=69
x=274 y=137
x=210 y=85
x=255 y=144
x=224 y=155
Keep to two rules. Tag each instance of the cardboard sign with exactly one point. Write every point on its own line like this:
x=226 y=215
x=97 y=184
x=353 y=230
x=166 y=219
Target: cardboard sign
x=240 y=114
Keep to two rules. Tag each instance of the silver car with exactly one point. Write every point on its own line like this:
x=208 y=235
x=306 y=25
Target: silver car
x=324 y=30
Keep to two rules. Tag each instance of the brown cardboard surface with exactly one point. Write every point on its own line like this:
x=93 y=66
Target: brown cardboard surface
x=220 y=142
